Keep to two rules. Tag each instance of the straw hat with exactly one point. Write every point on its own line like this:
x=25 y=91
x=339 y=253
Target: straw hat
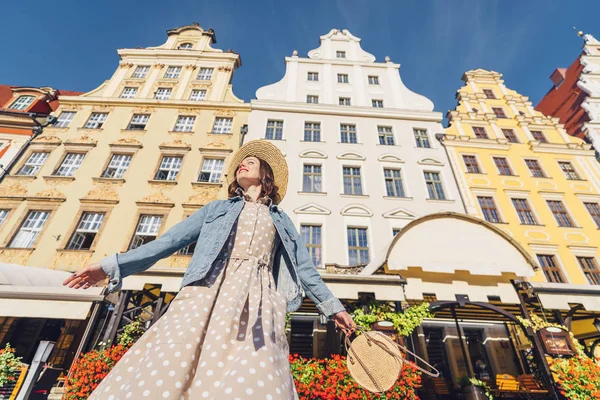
x=267 y=152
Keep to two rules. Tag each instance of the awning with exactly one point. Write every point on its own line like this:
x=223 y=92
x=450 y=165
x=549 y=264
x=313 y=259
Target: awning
x=31 y=292
x=562 y=296
x=169 y=279
x=348 y=287
x=417 y=289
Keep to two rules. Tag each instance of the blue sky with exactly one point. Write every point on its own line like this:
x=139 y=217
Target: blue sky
x=71 y=44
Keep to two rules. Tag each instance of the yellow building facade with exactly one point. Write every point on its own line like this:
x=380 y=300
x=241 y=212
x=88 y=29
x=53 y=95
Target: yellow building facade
x=128 y=159
x=124 y=163
x=521 y=171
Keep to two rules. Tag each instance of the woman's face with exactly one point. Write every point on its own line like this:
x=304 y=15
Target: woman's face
x=248 y=173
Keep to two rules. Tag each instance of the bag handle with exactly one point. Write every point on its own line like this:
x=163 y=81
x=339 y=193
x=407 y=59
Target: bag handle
x=371 y=339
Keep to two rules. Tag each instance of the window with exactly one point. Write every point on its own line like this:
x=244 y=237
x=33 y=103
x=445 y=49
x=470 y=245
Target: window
x=212 y=169
x=162 y=94
x=386 y=136
x=594 y=210
x=377 y=103
x=421 y=138
x=471 y=164
x=186 y=46
x=498 y=112
x=3 y=215
x=185 y=123
x=64 y=119
x=146 y=230
x=434 y=185
x=489 y=94
x=129 y=93
x=509 y=134
x=169 y=168
x=172 y=73
x=22 y=103
x=86 y=231
x=480 y=132
x=117 y=166
x=535 y=169
x=373 y=80
x=560 y=213
x=344 y=101
x=568 y=170
x=312 y=132
x=141 y=71
x=348 y=133
x=30 y=229
x=340 y=54
x=550 y=268
x=488 y=208
x=311 y=234
x=352 y=181
x=312 y=178
x=313 y=76
x=96 y=121
x=590 y=269
x=395 y=231
x=274 y=130
x=539 y=136
x=393 y=182
x=502 y=165
x=524 y=212
x=198 y=95
x=205 y=74
x=70 y=164
x=138 y=122
x=312 y=99
x=33 y=164
x=358 y=246
x=343 y=78
x=222 y=125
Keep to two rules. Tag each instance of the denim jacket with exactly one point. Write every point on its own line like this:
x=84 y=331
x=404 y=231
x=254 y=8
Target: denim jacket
x=209 y=227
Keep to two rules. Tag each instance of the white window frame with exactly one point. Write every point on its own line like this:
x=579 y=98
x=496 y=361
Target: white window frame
x=129 y=92
x=343 y=78
x=70 y=164
x=169 y=165
x=117 y=166
x=214 y=169
x=311 y=75
x=185 y=46
x=163 y=93
x=360 y=176
x=89 y=222
x=205 y=74
x=274 y=126
x=222 y=126
x=377 y=103
x=96 y=120
x=198 y=95
x=172 y=72
x=381 y=130
x=34 y=163
x=340 y=54
x=442 y=183
x=27 y=235
x=419 y=138
x=147 y=225
x=373 y=79
x=64 y=119
x=22 y=103
x=312 y=99
x=313 y=130
x=138 y=120
x=185 y=123
x=349 y=131
x=345 y=101
x=141 y=71
x=312 y=174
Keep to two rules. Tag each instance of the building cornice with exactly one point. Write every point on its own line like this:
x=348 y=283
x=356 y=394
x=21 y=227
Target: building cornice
x=341 y=61
x=468 y=141
x=574 y=149
x=109 y=101
x=345 y=111
x=157 y=55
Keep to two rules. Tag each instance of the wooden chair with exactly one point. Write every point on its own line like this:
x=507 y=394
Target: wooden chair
x=440 y=386
x=532 y=387
x=507 y=386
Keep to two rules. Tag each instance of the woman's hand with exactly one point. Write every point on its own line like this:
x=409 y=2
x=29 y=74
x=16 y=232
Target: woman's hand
x=345 y=322
x=86 y=278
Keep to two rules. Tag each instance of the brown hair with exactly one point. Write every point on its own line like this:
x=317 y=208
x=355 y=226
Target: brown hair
x=267 y=181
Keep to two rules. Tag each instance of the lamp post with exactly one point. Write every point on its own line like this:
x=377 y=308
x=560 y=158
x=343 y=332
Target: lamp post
x=40 y=120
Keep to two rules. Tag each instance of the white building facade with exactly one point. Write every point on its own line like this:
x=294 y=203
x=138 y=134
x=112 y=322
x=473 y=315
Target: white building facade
x=361 y=149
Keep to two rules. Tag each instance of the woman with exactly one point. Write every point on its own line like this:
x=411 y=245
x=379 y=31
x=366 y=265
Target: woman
x=223 y=336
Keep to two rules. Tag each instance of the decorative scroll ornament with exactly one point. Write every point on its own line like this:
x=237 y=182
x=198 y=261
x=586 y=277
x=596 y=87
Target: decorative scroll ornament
x=47 y=139
x=225 y=113
x=203 y=195
x=104 y=192
x=51 y=193
x=157 y=197
x=176 y=143
x=12 y=190
x=84 y=139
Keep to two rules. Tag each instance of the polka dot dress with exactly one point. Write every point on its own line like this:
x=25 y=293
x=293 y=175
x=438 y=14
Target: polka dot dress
x=222 y=337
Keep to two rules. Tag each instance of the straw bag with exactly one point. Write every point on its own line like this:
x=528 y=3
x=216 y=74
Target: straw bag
x=375 y=360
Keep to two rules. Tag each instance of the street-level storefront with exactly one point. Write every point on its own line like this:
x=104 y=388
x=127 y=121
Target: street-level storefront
x=465 y=268
x=35 y=307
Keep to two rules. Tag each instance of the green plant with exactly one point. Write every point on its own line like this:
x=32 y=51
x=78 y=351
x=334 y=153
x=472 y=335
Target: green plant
x=131 y=333
x=404 y=322
x=536 y=323
x=484 y=386
x=9 y=365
